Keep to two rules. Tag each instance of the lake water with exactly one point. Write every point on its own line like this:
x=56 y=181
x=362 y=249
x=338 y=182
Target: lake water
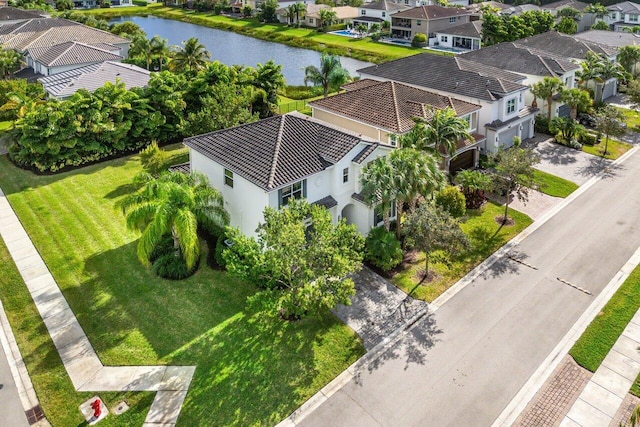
x=235 y=49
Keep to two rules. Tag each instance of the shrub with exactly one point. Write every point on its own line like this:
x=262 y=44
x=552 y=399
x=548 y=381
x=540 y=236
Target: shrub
x=220 y=246
x=419 y=40
x=165 y=246
x=542 y=125
x=153 y=159
x=302 y=92
x=588 y=139
x=106 y=4
x=142 y=3
x=170 y=266
x=382 y=249
x=451 y=200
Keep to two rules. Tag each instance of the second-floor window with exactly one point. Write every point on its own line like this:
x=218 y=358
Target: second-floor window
x=419 y=22
x=511 y=106
x=452 y=19
x=345 y=175
x=633 y=18
x=393 y=139
x=228 y=178
x=384 y=14
x=444 y=39
x=296 y=190
x=363 y=12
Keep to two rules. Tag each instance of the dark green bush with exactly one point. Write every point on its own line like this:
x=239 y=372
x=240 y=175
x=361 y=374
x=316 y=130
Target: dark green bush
x=419 y=40
x=382 y=249
x=165 y=246
x=542 y=124
x=588 y=139
x=220 y=246
x=142 y=3
x=170 y=266
x=451 y=200
x=302 y=92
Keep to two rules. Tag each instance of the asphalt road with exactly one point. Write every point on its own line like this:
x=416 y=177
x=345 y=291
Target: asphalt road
x=464 y=363
x=11 y=411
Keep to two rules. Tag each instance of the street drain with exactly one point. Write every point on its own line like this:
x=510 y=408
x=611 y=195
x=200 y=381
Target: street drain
x=574 y=286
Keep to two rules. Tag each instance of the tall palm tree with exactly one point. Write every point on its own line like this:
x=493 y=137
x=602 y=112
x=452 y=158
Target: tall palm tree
x=191 y=57
x=290 y=13
x=159 y=49
x=327 y=17
x=378 y=187
x=598 y=9
x=547 y=89
x=300 y=10
x=629 y=56
x=174 y=204
x=577 y=99
x=141 y=47
x=330 y=74
x=445 y=130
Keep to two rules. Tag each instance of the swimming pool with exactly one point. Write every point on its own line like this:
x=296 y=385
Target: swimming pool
x=447 y=49
x=399 y=41
x=345 y=33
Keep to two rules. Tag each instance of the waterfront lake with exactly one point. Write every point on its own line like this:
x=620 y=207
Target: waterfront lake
x=235 y=49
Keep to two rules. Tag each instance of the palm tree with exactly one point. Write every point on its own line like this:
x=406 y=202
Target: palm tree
x=445 y=130
x=598 y=9
x=159 y=49
x=330 y=74
x=416 y=173
x=10 y=61
x=378 y=187
x=577 y=99
x=191 y=57
x=547 y=89
x=174 y=204
x=290 y=13
x=300 y=10
x=327 y=17
x=21 y=103
x=141 y=47
x=629 y=56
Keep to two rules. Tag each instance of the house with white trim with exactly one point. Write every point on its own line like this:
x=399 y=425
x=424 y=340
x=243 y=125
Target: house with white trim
x=501 y=94
x=426 y=20
x=265 y=163
x=377 y=12
x=623 y=15
x=50 y=60
x=386 y=110
x=465 y=37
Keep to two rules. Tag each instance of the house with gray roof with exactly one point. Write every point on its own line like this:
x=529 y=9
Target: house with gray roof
x=358 y=109
x=426 y=20
x=377 y=12
x=613 y=39
x=68 y=56
x=13 y=15
x=266 y=163
x=623 y=15
x=500 y=93
x=534 y=64
x=584 y=20
x=566 y=46
x=465 y=37
x=91 y=77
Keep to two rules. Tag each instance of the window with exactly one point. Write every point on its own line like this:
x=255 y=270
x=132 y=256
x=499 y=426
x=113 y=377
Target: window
x=228 y=178
x=393 y=139
x=444 y=39
x=633 y=18
x=452 y=19
x=363 y=12
x=310 y=20
x=345 y=175
x=419 y=22
x=511 y=106
x=406 y=1
x=377 y=215
x=296 y=190
x=384 y=14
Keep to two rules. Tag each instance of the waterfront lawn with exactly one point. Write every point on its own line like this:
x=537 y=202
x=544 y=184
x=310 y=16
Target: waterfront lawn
x=486 y=237
x=553 y=185
x=596 y=341
x=615 y=148
x=248 y=372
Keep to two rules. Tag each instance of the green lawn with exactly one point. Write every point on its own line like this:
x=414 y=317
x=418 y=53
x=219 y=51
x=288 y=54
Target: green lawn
x=364 y=49
x=554 y=185
x=248 y=372
x=486 y=237
x=615 y=149
x=632 y=118
x=596 y=341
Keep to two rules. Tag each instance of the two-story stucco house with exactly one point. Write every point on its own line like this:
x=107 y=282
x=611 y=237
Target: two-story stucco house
x=622 y=15
x=501 y=94
x=290 y=156
x=377 y=12
x=385 y=110
x=534 y=64
x=426 y=20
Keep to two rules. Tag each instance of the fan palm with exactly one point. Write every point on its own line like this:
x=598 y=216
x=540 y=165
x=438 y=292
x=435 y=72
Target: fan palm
x=330 y=74
x=576 y=99
x=443 y=132
x=327 y=17
x=174 y=204
x=300 y=9
x=378 y=187
x=191 y=57
x=547 y=89
x=629 y=56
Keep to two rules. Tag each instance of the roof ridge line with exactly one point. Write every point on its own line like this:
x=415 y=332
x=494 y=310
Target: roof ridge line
x=396 y=108
x=37 y=38
x=276 y=154
x=65 y=51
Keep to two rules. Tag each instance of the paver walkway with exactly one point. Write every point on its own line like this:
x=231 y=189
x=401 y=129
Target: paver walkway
x=537 y=205
x=86 y=371
x=378 y=308
x=602 y=397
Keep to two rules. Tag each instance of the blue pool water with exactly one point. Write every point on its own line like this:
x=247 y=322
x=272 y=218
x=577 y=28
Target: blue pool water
x=402 y=42
x=447 y=49
x=344 y=33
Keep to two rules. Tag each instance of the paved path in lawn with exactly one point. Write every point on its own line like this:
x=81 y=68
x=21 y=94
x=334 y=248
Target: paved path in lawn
x=86 y=371
x=378 y=308
x=565 y=162
x=602 y=397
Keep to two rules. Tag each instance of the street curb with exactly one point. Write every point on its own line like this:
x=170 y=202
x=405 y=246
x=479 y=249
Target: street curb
x=18 y=369
x=348 y=374
x=546 y=368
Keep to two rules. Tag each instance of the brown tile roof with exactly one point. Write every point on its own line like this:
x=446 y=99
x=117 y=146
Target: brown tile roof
x=70 y=53
x=384 y=5
x=464 y=143
x=390 y=105
x=366 y=152
x=359 y=84
x=449 y=74
x=276 y=151
x=431 y=12
x=328 y=202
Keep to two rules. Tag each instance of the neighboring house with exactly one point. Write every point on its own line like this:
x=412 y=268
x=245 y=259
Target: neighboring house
x=281 y=13
x=13 y=15
x=92 y=77
x=377 y=12
x=518 y=10
x=534 y=64
x=614 y=39
x=385 y=110
x=265 y=163
x=465 y=37
x=500 y=93
x=426 y=20
x=475 y=9
x=344 y=15
x=584 y=21
x=622 y=15
x=68 y=56
x=47 y=32
x=88 y=4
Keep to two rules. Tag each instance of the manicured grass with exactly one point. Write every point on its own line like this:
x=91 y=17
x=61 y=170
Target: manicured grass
x=248 y=372
x=5 y=125
x=615 y=149
x=596 y=341
x=554 y=185
x=632 y=117
x=364 y=49
x=486 y=237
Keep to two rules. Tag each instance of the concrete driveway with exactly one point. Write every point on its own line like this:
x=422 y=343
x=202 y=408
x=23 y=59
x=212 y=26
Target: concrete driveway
x=565 y=162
